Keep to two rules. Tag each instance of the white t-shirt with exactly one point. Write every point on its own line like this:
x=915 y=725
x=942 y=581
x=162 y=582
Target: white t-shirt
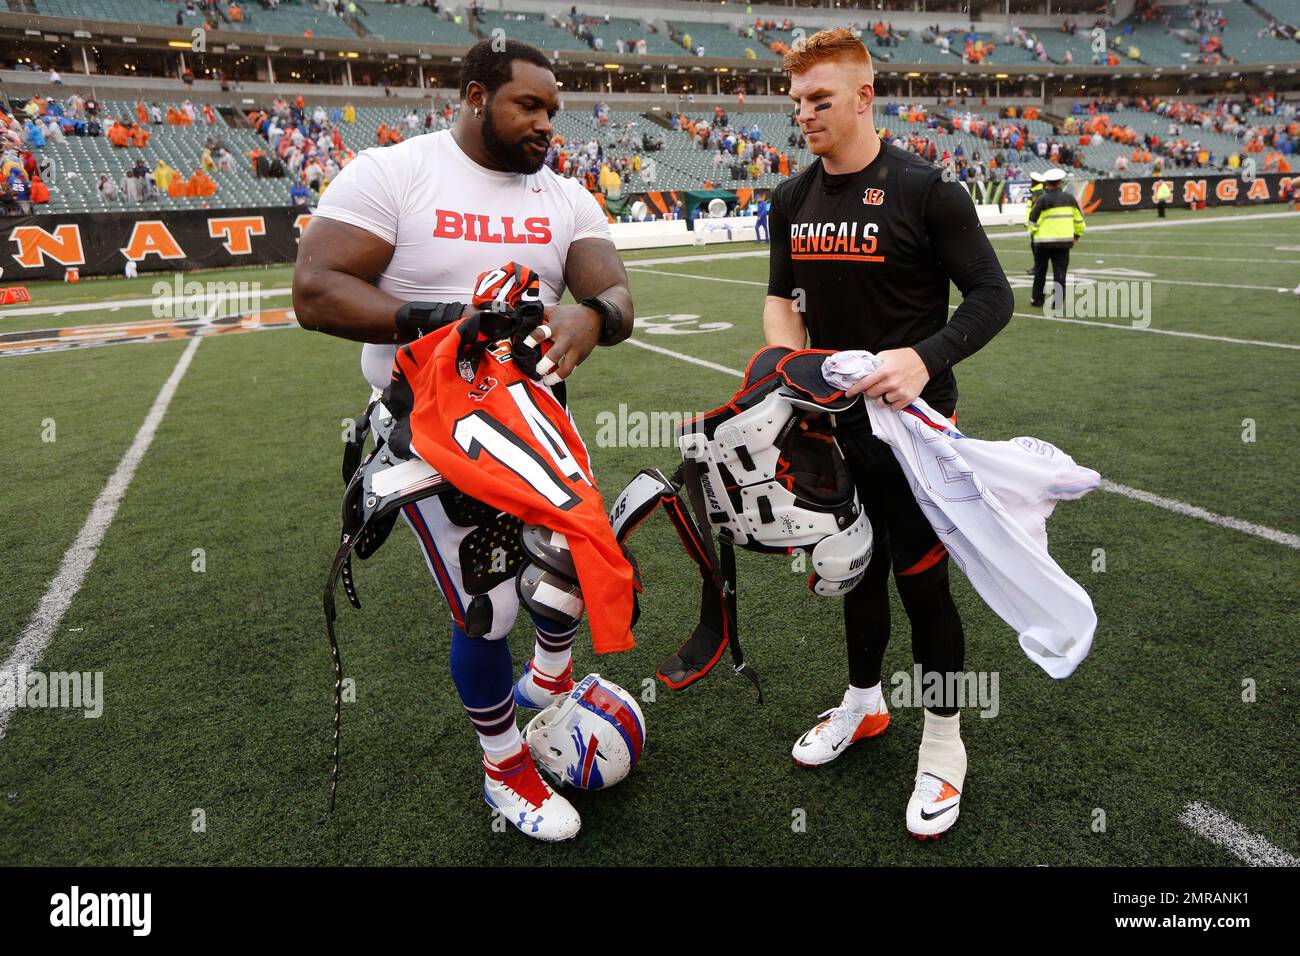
x=450 y=219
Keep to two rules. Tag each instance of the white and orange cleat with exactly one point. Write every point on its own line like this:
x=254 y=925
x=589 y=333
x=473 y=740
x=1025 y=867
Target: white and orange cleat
x=940 y=777
x=538 y=690
x=933 y=808
x=840 y=728
x=517 y=791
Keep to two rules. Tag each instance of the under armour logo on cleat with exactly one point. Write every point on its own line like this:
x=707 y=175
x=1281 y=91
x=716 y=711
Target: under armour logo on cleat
x=524 y=821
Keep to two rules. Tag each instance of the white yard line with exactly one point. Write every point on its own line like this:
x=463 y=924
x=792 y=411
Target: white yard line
x=1198 y=243
x=1169 y=504
x=686 y=358
x=1131 y=328
x=1168 y=223
x=1251 y=848
x=1083 y=253
x=1031 y=315
x=689 y=275
x=708 y=257
x=40 y=630
x=1191 y=511
x=1101 y=275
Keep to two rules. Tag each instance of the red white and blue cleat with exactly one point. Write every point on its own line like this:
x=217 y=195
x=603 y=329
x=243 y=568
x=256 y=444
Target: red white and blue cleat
x=537 y=690
x=517 y=791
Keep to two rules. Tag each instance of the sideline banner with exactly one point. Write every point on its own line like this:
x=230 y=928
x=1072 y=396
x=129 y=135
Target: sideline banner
x=45 y=246
x=1116 y=195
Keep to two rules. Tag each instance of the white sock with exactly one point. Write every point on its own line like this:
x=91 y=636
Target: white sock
x=942 y=753
x=501 y=747
x=553 y=652
x=497 y=729
x=551 y=663
x=863 y=700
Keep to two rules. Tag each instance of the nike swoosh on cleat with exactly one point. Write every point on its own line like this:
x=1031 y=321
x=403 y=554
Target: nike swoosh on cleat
x=835 y=747
x=937 y=813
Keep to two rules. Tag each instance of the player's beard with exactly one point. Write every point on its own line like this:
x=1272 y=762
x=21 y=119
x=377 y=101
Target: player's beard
x=514 y=157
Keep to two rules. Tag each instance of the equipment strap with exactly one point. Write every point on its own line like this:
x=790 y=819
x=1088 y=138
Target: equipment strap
x=716 y=628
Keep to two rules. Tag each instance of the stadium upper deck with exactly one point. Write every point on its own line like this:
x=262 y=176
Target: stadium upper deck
x=1184 y=35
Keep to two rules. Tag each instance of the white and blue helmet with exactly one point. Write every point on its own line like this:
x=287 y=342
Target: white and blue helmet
x=592 y=738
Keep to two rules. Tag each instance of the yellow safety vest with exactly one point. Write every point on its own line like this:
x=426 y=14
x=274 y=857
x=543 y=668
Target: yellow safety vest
x=1055 y=219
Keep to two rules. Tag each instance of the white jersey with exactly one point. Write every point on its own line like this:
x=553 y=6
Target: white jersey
x=450 y=219
x=988 y=501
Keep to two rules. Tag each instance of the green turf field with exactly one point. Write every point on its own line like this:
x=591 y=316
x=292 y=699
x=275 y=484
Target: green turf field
x=218 y=685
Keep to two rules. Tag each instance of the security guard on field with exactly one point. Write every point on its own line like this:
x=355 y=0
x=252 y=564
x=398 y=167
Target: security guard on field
x=1055 y=225
x=1035 y=190
x=1162 y=195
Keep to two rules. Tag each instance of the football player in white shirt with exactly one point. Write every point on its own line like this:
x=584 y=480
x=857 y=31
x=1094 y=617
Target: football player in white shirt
x=393 y=251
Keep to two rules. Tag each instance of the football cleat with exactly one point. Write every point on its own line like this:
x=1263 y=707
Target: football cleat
x=840 y=728
x=933 y=807
x=517 y=791
x=537 y=690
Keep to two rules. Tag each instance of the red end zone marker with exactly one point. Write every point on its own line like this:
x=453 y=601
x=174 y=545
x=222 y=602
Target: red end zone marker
x=15 y=294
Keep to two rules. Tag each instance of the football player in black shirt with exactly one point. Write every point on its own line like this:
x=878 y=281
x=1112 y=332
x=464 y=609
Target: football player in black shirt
x=864 y=244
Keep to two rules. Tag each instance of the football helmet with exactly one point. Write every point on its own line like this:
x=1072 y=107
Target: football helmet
x=592 y=738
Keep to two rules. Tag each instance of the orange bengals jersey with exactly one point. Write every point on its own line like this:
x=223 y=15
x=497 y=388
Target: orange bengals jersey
x=500 y=437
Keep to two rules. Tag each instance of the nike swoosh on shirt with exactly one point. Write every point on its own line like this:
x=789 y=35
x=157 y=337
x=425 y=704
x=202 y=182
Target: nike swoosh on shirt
x=536 y=189
x=937 y=813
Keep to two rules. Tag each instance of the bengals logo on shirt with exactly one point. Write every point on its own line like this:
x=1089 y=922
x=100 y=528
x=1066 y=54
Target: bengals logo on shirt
x=873 y=197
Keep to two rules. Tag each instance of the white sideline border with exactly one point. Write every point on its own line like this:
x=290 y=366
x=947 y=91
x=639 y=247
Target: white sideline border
x=79 y=557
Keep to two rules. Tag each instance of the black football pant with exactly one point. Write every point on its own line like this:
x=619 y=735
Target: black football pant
x=904 y=541
x=1059 y=257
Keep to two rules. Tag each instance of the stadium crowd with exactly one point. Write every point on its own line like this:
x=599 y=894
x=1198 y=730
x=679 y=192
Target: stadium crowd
x=1263 y=124
x=740 y=150
x=580 y=25
x=305 y=144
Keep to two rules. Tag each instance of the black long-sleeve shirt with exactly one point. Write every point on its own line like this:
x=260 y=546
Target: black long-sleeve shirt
x=870 y=255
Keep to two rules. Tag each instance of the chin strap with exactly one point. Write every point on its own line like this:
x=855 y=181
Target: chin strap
x=717 y=626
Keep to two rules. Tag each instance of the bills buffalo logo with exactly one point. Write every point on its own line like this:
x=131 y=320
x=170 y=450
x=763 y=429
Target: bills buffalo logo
x=873 y=197
x=481 y=390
